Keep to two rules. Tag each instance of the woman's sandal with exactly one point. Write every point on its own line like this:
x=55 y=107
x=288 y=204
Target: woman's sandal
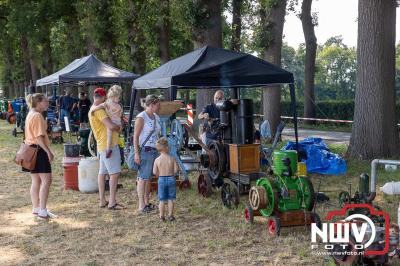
x=151 y=206
x=145 y=210
x=171 y=218
x=162 y=219
x=117 y=207
x=104 y=205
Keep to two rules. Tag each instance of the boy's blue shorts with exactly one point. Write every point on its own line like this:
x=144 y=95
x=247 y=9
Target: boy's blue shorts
x=166 y=188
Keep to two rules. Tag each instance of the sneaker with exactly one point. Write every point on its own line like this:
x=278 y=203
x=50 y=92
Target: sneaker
x=162 y=219
x=45 y=214
x=35 y=211
x=51 y=215
x=171 y=218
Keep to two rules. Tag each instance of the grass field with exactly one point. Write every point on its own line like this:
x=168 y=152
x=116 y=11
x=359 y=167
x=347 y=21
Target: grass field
x=205 y=232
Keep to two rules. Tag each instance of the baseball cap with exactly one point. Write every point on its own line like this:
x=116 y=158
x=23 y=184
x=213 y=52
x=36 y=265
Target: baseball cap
x=100 y=91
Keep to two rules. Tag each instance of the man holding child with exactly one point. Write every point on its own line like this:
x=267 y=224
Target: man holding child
x=100 y=122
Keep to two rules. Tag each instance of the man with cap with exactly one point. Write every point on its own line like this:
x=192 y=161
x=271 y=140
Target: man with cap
x=66 y=105
x=99 y=122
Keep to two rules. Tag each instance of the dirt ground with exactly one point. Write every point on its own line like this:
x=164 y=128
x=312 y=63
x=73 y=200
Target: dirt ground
x=83 y=234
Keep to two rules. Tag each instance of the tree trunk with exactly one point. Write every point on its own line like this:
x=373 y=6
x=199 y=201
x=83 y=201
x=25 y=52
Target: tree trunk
x=47 y=61
x=110 y=46
x=8 y=60
x=25 y=56
x=187 y=96
x=212 y=36
x=236 y=24
x=164 y=31
x=90 y=45
x=74 y=37
x=273 y=20
x=374 y=132
x=137 y=50
x=34 y=70
x=309 y=65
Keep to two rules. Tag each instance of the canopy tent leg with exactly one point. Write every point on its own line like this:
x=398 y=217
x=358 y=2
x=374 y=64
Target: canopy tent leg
x=235 y=93
x=131 y=109
x=293 y=103
x=172 y=96
x=172 y=93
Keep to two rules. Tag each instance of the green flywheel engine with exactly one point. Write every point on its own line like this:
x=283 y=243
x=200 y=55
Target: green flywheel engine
x=288 y=189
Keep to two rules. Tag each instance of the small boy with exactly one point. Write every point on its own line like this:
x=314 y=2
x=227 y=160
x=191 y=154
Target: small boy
x=165 y=168
x=114 y=111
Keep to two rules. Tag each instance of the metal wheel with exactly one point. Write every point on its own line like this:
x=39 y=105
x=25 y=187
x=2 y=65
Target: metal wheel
x=258 y=197
x=92 y=145
x=274 y=226
x=249 y=214
x=217 y=165
x=185 y=184
x=272 y=199
x=229 y=194
x=204 y=186
x=307 y=189
x=344 y=198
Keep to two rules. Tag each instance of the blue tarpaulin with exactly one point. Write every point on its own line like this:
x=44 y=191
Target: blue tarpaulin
x=319 y=159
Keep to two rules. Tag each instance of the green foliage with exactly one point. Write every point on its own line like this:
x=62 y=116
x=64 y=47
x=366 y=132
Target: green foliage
x=336 y=71
x=332 y=109
x=71 y=29
x=196 y=13
x=335 y=77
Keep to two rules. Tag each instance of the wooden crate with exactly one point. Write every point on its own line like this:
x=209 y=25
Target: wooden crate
x=244 y=158
x=169 y=108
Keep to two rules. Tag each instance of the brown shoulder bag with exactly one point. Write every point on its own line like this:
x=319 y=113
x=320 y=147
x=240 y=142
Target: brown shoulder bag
x=26 y=156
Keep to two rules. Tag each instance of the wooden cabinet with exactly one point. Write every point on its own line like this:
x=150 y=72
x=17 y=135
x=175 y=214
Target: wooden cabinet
x=244 y=158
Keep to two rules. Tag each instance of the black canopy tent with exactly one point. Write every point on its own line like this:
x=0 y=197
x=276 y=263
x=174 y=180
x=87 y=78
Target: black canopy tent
x=210 y=67
x=88 y=69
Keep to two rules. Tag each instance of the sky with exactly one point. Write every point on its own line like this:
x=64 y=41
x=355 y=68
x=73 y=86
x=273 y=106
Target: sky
x=335 y=17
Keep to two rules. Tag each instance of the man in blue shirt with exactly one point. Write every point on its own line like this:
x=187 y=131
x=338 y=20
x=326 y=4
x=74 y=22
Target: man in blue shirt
x=211 y=111
x=66 y=105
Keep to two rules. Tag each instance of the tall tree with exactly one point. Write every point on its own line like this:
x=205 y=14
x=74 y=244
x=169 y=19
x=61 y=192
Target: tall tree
x=308 y=22
x=97 y=20
x=136 y=39
x=164 y=32
x=236 y=24
x=206 y=20
x=337 y=67
x=44 y=20
x=374 y=133
x=272 y=18
x=26 y=57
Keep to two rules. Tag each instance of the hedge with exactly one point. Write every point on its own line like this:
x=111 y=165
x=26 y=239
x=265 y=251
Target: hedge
x=340 y=109
x=343 y=110
x=333 y=109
